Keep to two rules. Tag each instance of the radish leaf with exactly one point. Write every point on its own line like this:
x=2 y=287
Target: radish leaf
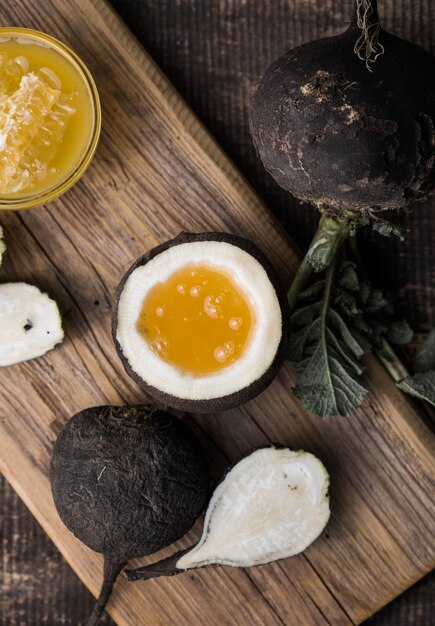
x=421 y=386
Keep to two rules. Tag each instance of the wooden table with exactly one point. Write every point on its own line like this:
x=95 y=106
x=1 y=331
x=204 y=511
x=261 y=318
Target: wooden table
x=214 y=53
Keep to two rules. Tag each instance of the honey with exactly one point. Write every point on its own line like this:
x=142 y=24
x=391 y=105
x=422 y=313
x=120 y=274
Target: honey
x=48 y=118
x=198 y=319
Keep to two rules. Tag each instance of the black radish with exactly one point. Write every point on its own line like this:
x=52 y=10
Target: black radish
x=127 y=481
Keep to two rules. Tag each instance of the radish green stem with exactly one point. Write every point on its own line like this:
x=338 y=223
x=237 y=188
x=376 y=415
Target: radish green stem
x=391 y=361
x=329 y=237
x=329 y=282
x=300 y=280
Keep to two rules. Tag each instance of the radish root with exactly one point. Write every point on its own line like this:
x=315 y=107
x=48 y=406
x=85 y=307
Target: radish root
x=367 y=47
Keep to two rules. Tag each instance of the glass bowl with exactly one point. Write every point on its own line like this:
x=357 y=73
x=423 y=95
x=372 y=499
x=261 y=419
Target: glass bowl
x=87 y=134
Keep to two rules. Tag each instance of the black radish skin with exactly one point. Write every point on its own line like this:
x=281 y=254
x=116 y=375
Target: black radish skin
x=127 y=481
x=347 y=123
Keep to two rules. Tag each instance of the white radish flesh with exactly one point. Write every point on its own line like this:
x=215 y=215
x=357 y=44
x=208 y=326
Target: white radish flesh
x=30 y=323
x=271 y=505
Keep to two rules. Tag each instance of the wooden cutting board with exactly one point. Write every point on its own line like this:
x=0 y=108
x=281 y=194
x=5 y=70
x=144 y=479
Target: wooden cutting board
x=158 y=172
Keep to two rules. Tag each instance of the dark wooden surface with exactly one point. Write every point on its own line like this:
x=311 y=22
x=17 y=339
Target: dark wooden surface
x=214 y=52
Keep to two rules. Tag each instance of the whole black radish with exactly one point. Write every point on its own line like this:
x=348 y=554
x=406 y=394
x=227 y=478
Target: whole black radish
x=127 y=481
x=347 y=122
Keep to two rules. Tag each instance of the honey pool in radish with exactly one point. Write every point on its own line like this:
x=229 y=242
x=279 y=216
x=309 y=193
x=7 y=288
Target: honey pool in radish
x=199 y=319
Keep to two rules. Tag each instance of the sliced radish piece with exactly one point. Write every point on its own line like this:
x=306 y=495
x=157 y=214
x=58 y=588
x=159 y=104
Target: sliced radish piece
x=30 y=323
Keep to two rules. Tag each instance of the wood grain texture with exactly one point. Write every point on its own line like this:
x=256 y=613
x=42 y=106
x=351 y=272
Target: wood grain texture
x=38 y=588
x=157 y=172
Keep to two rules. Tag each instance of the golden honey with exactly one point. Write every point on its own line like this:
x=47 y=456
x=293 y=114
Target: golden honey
x=199 y=319
x=49 y=117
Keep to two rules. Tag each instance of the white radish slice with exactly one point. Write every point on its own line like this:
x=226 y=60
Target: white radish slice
x=271 y=505
x=30 y=323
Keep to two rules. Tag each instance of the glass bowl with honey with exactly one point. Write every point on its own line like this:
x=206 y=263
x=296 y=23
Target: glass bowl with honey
x=50 y=118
